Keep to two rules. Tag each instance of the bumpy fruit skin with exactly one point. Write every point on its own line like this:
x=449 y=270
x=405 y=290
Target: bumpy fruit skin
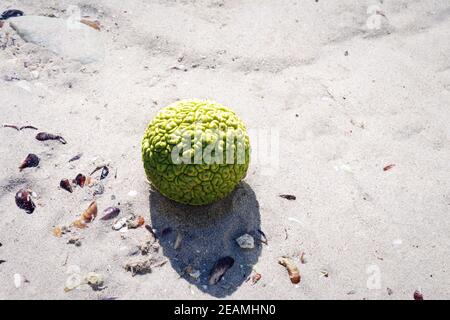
x=195 y=183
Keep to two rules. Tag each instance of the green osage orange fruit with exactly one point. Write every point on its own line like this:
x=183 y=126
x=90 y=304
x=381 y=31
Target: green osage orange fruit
x=195 y=151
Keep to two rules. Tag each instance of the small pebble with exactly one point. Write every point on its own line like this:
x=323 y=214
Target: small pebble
x=246 y=241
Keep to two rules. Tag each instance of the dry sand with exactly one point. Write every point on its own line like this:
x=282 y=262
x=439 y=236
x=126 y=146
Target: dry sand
x=346 y=99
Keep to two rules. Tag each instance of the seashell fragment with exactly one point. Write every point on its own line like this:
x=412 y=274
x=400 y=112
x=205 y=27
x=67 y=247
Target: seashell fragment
x=30 y=161
x=24 y=201
x=65 y=184
x=294 y=273
x=220 y=268
x=44 y=136
x=110 y=213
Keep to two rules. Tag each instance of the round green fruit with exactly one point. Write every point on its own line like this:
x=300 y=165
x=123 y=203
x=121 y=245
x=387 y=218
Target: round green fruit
x=195 y=151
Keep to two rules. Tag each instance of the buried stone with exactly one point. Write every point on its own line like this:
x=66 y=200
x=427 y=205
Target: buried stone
x=71 y=39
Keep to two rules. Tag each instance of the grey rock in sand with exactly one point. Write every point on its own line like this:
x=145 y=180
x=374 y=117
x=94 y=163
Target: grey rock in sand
x=67 y=38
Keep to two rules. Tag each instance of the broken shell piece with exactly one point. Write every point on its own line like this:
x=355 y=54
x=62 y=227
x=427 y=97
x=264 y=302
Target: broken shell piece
x=246 y=241
x=11 y=13
x=87 y=216
x=148 y=247
x=324 y=273
x=90 y=213
x=73 y=281
x=119 y=224
x=110 y=213
x=31 y=160
x=57 y=232
x=43 y=136
x=288 y=196
x=65 y=184
x=24 y=201
x=135 y=222
x=180 y=67
x=99 y=189
x=220 y=268
x=95 y=280
x=79 y=224
x=105 y=172
x=292 y=269
x=80 y=180
x=388 y=167
x=89 y=181
x=256 y=277
x=150 y=229
x=143 y=265
x=93 y=24
x=418 y=295
x=76 y=157
x=60 y=231
x=177 y=244
x=263 y=236
x=193 y=273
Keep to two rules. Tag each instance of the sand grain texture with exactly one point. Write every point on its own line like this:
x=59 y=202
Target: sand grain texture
x=345 y=99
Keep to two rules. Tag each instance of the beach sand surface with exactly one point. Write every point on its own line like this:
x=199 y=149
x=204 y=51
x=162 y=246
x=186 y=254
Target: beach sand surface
x=344 y=89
